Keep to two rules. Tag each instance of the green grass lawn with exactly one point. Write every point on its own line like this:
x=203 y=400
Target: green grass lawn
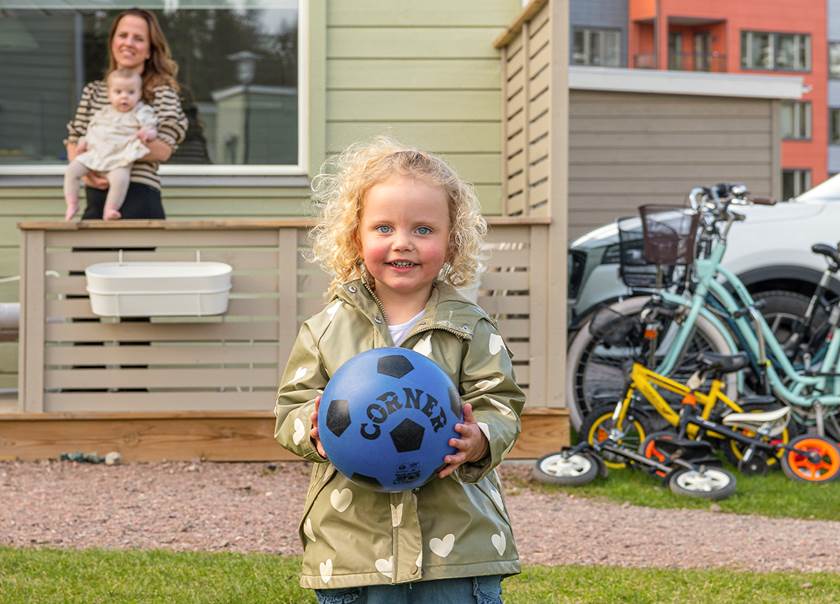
x=771 y=495
x=93 y=576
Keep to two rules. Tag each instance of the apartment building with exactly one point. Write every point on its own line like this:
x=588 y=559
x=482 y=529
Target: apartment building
x=833 y=87
x=770 y=37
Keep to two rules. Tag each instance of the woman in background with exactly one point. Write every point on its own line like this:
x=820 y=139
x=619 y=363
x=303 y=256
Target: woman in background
x=136 y=42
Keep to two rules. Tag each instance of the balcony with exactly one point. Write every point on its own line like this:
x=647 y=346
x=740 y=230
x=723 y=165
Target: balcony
x=685 y=61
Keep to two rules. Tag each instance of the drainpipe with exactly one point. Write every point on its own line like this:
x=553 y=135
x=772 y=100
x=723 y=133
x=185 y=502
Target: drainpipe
x=656 y=33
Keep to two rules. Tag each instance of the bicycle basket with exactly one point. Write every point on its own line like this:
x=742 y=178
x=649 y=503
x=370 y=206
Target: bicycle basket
x=669 y=234
x=635 y=270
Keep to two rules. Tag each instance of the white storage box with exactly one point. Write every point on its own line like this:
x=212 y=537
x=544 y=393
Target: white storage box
x=158 y=289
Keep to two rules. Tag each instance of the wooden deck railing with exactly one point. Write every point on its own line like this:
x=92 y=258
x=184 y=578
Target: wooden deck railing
x=72 y=361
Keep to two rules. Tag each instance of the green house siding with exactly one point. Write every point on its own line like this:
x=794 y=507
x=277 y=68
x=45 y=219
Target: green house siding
x=425 y=73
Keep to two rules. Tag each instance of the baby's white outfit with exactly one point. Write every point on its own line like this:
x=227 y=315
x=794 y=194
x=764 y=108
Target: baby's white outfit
x=113 y=147
x=112 y=137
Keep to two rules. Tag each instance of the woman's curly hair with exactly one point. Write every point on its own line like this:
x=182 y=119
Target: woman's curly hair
x=339 y=192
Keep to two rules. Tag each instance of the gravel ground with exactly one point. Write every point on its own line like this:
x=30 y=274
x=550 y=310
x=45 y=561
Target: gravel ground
x=255 y=507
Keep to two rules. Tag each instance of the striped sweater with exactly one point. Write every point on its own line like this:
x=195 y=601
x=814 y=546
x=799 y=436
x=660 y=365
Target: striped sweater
x=172 y=124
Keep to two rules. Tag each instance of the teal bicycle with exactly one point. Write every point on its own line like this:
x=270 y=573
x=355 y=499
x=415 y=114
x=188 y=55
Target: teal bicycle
x=712 y=309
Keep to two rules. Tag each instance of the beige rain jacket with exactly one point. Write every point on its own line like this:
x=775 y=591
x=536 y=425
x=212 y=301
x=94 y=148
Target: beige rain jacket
x=452 y=527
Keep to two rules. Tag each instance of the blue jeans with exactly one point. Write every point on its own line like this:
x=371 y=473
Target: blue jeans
x=471 y=590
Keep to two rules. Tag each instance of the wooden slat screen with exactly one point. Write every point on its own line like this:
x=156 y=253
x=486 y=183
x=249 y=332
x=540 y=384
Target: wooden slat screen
x=227 y=362
x=526 y=115
x=79 y=362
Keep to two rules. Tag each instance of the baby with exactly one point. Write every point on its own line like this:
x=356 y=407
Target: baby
x=114 y=141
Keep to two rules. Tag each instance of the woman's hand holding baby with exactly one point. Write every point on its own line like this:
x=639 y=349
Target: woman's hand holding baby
x=472 y=446
x=91 y=179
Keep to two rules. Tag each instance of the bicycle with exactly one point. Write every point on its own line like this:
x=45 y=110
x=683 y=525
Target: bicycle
x=807 y=458
x=718 y=302
x=688 y=467
x=629 y=422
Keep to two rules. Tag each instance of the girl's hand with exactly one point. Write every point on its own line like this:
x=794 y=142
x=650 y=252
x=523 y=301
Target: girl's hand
x=472 y=446
x=95 y=180
x=313 y=432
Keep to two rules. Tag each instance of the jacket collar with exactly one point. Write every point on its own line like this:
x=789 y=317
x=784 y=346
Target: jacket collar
x=446 y=308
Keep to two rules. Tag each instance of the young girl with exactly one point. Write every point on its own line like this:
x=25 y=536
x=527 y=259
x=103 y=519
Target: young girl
x=114 y=141
x=399 y=229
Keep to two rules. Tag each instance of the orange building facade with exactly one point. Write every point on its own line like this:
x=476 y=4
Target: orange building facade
x=784 y=37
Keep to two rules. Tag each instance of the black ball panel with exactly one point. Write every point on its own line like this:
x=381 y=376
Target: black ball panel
x=407 y=436
x=338 y=416
x=394 y=365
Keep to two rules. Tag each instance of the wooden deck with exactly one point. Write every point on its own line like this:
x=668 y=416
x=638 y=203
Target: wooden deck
x=213 y=436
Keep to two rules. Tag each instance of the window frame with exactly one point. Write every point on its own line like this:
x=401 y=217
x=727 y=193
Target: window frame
x=587 y=31
x=832 y=111
x=802 y=178
x=828 y=61
x=746 y=41
x=798 y=107
x=222 y=174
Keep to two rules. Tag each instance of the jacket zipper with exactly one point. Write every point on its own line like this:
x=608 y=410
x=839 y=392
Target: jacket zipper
x=376 y=299
x=454 y=332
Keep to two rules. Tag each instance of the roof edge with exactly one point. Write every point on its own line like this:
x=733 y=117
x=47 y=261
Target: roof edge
x=685 y=82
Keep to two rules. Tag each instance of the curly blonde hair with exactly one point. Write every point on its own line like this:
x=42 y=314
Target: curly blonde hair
x=339 y=192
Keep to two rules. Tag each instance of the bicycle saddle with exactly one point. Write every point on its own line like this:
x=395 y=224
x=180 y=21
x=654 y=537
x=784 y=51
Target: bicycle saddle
x=723 y=363
x=773 y=422
x=829 y=251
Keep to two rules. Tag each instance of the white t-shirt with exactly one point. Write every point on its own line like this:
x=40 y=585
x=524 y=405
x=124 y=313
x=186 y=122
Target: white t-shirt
x=399 y=331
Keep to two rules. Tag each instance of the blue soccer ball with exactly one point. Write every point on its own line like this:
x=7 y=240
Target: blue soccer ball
x=386 y=418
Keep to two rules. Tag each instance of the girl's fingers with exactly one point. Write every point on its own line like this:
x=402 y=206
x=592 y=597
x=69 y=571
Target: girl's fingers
x=468 y=414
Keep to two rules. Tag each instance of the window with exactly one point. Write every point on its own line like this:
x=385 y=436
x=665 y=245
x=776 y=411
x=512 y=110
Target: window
x=675 y=54
x=775 y=51
x=601 y=47
x=834 y=60
x=796 y=119
x=795 y=182
x=239 y=69
x=834 y=126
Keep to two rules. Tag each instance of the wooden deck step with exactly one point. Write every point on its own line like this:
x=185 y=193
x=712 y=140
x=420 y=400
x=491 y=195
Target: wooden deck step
x=213 y=436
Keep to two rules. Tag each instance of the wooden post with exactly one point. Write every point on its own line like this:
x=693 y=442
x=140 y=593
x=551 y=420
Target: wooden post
x=556 y=251
x=32 y=323
x=539 y=312
x=504 y=158
x=287 y=302
x=526 y=114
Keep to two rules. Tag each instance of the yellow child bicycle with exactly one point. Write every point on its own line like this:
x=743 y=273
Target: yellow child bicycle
x=754 y=434
x=651 y=403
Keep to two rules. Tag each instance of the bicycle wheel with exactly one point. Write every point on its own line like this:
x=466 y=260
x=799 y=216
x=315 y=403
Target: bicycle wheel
x=706 y=483
x=595 y=362
x=564 y=468
x=799 y=467
x=734 y=450
x=598 y=425
x=784 y=312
